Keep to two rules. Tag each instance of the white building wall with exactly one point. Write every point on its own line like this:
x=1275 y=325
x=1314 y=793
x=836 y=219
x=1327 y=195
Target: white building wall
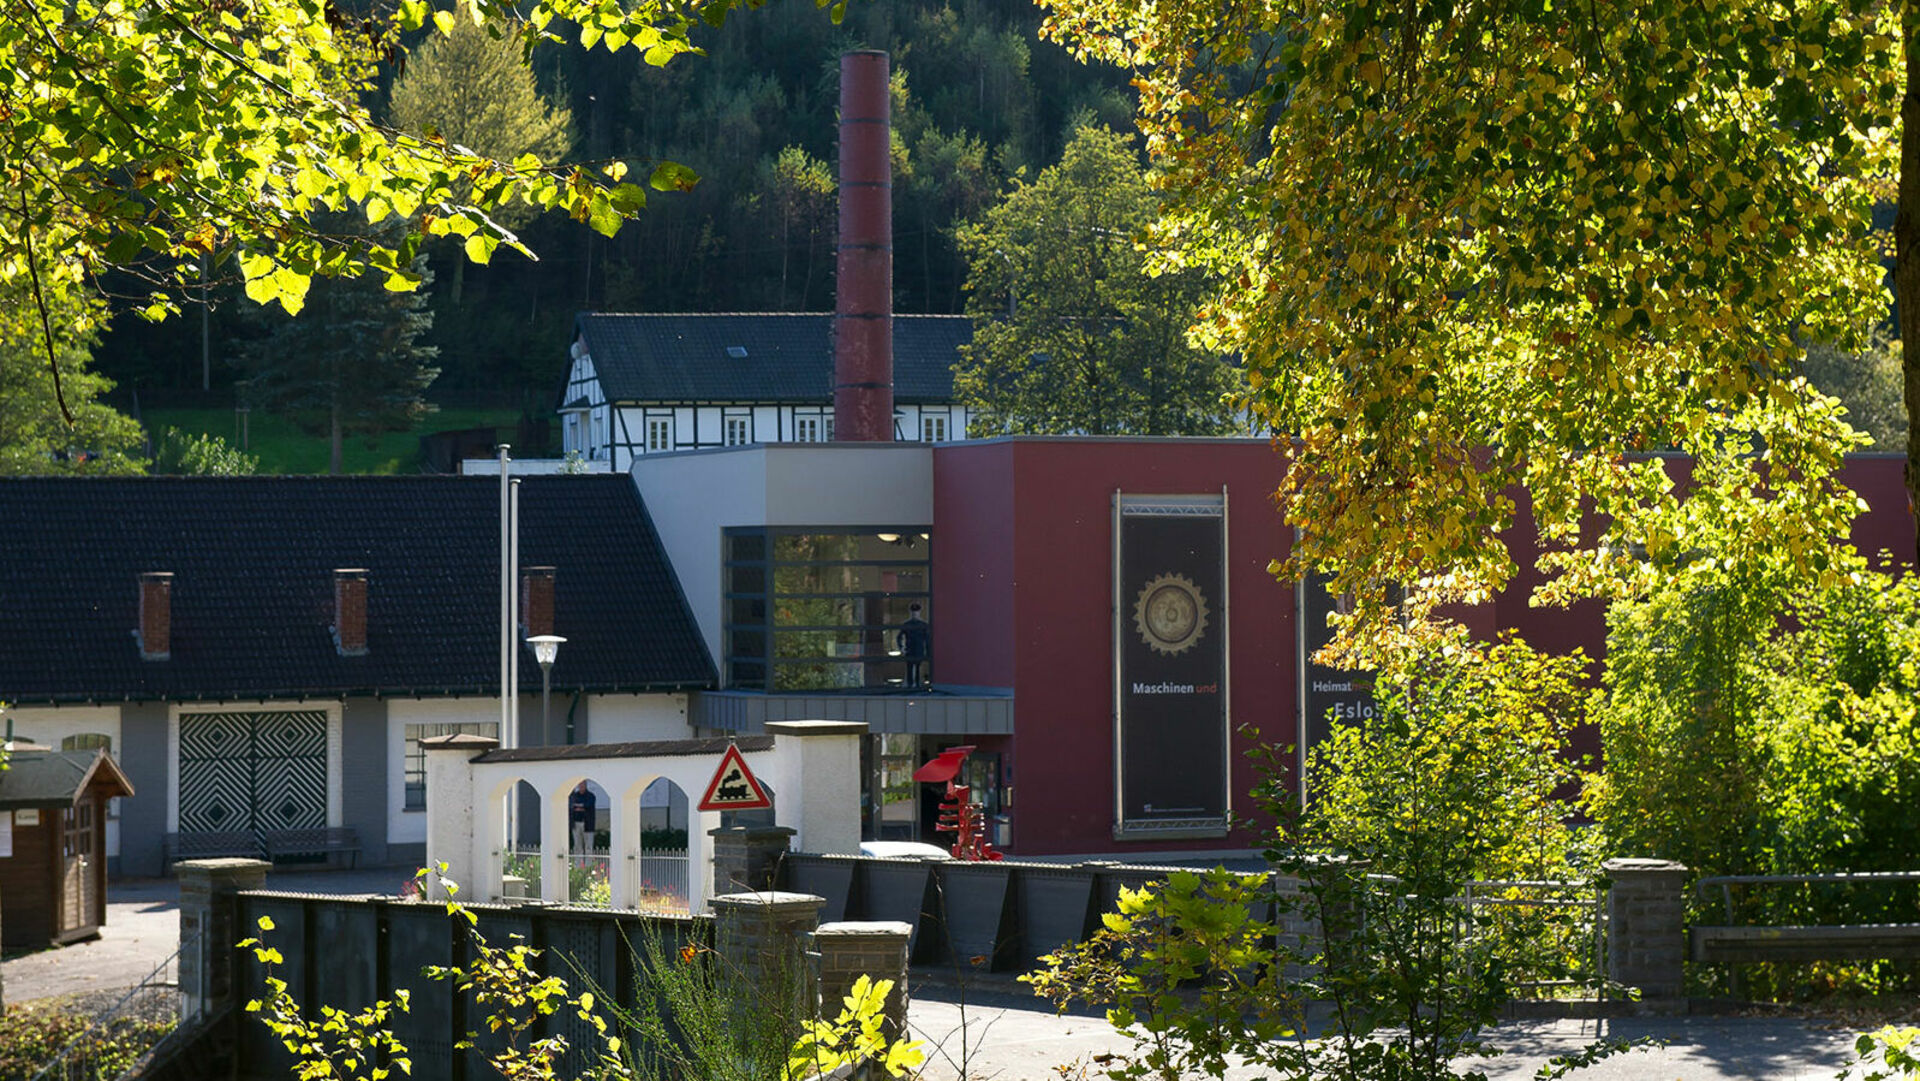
x=629 y=718
x=49 y=725
x=410 y=827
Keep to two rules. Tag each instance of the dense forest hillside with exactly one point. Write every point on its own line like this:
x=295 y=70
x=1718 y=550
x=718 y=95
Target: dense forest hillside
x=978 y=98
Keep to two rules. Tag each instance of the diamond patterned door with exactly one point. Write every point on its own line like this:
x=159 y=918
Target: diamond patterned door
x=253 y=771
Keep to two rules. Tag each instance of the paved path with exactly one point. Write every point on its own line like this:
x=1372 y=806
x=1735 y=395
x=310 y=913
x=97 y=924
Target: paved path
x=143 y=931
x=1005 y=1037
x=1007 y=1044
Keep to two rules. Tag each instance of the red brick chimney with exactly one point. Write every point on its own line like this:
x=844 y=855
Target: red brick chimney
x=536 y=601
x=863 y=268
x=156 y=615
x=350 y=611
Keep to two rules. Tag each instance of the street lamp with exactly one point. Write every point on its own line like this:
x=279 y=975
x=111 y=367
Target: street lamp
x=545 y=648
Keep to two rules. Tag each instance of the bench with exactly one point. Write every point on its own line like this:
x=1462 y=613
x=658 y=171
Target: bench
x=1842 y=942
x=327 y=842
x=207 y=844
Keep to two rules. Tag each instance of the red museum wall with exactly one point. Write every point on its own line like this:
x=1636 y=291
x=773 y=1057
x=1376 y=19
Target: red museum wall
x=1022 y=577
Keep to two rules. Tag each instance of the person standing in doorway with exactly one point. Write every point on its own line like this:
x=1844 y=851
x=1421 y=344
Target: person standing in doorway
x=582 y=811
x=916 y=644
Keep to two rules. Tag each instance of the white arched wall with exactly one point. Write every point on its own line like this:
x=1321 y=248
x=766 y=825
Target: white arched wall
x=813 y=764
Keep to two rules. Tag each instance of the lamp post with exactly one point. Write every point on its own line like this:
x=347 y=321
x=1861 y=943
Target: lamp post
x=545 y=648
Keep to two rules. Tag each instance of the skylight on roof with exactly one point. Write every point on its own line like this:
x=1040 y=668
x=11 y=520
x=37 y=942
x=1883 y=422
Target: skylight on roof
x=737 y=352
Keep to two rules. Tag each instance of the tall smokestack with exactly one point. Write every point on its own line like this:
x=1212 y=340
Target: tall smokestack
x=863 y=269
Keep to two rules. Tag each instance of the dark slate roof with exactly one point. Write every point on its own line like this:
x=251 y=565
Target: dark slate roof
x=38 y=777
x=253 y=561
x=684 y=358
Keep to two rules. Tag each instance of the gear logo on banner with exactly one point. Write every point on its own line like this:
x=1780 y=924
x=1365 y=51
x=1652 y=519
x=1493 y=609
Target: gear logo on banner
x=1170 y=613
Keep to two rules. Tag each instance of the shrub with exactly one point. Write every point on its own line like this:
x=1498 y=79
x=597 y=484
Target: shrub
x=30 y=1038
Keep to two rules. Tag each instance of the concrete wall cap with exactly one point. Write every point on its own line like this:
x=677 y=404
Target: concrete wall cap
x=769 y=898
x=816 y=728
x=866 y=927
x=1640 y=863
x=220 y=865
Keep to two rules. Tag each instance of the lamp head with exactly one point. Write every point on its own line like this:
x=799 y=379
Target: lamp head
x=545 y=647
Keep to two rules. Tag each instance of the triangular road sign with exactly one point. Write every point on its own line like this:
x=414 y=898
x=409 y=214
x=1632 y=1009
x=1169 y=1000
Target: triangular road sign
x=734 y=787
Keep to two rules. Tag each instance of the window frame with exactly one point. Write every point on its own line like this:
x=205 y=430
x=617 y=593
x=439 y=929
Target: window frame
x=751 y=645
x=410 y=751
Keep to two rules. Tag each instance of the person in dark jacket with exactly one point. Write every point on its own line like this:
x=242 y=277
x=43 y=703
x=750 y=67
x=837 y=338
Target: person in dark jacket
x=916 y=644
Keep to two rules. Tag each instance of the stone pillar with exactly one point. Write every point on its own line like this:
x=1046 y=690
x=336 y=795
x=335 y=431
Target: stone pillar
x=827 y=764
x=851 y=950
x=455 y=836
x=207 y=889
x=1646 y=926
x=747 y=858
x=762 y=942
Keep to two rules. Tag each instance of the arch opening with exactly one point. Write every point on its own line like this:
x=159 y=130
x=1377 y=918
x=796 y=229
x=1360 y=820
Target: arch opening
x=663 y=863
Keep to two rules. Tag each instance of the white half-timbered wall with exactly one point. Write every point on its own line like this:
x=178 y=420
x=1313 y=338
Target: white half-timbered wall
x=619 y=433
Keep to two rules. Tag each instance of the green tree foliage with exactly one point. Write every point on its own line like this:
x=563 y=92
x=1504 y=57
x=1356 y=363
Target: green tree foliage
x=793 y=199
x=1456 y=783
x=1754 y=729
x=1072 y=332
x=355 y=365
x=200 y=455
x=472 y=89
x=978 y=97
x=1480 y=247
x=170 y=132
x=34 y=436
x=1868 y=383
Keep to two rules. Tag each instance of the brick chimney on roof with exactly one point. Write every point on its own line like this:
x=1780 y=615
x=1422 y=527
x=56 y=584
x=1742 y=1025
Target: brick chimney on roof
x=863 y=266
x=350 y=611
x=156 y=616
x=536 y=601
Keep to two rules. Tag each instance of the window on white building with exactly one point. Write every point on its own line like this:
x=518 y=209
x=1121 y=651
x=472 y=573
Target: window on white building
x=736 y=431
x=660 y=433
x=571 y=442
x=806 y=429
x=598 y=448
x=933 y=429
x=416 y=770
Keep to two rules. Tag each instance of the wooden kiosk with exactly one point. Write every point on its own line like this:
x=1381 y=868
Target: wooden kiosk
x=53 y=841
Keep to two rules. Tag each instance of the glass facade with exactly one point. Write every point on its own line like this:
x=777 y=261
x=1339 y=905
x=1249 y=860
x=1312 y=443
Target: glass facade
x=821 y=611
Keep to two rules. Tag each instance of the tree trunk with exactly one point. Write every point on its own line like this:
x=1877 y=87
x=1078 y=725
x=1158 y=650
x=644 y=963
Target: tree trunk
x=1906 y=240
x=333 y=435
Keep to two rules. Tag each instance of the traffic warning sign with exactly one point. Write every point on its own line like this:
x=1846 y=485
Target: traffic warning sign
x=734 y=787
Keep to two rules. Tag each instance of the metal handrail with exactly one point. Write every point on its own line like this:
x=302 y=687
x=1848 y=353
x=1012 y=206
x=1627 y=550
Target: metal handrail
x=1833 y=878
x=156 y=979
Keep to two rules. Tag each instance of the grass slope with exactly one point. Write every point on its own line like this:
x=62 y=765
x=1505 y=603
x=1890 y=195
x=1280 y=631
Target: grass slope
x=283 y=447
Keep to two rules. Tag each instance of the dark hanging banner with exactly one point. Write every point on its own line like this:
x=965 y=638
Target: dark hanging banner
x=1328 y=696
x=1170 y=634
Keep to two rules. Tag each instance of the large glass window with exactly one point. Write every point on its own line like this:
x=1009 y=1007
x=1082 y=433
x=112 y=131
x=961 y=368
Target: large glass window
x=416 y=778
x=815 y=611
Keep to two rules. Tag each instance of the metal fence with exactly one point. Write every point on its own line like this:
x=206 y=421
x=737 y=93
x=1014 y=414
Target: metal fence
x=1555 y=931
x=121 y=1039
x=663 y=880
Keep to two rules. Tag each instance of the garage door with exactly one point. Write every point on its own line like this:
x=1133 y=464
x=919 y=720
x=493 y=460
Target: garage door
x=253 y=771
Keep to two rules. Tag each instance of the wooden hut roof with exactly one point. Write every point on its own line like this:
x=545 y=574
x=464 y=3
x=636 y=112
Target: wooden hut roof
x=38 y=778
